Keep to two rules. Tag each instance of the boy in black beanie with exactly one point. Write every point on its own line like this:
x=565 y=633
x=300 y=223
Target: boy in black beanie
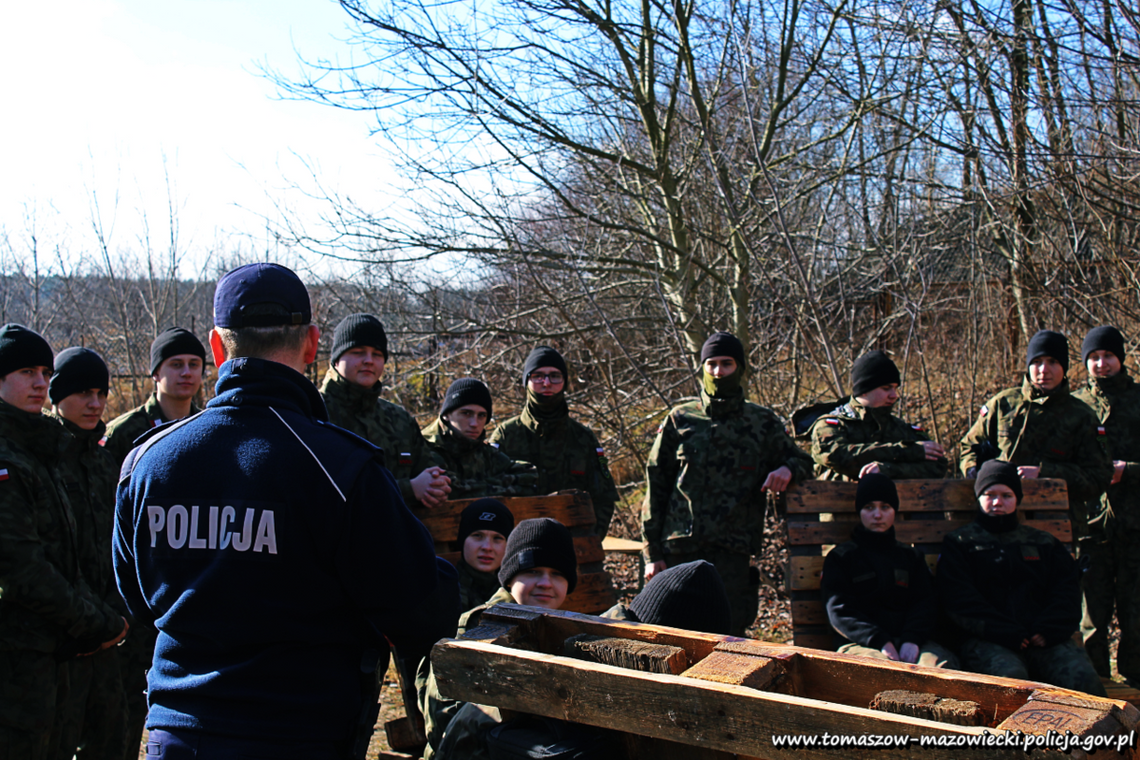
x=484 y=526
x=1041 y=428
x=689 y=596
x=859 y=435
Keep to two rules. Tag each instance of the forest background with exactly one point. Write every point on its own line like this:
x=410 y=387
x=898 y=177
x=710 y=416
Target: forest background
x=938 y=180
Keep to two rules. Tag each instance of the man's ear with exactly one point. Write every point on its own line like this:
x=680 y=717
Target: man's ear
x=217 y=348
x=312 y=343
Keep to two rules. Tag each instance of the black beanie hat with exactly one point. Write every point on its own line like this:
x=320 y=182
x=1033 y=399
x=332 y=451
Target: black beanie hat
x=690 y=596
x=21 y=347
x=541 y=542
x=723 y=344
x=485 y=514
x=544 y=356
x=1104 y=338
x=1048 y=343
x=872 y=370
x=997 y=472
x=875 y=486
x=359 y=330
x=464 y=391
x=174 y=341
x=77 y=370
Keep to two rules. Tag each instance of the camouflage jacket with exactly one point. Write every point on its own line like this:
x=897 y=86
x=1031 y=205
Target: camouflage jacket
x=476 y=468
x=382 y=423
x=124 y=430
x=1007 y=582
x=45 y=604
x=705 y=473
x=1116 y=402
x=852 y=436
x=1055 y=431
x=89 y=477
x=566 y=453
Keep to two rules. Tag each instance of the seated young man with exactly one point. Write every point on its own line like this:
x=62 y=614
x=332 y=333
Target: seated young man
x=879 y=593
x=539 y=569
x=483 y=530
x=1014 y=591
x=689 y=596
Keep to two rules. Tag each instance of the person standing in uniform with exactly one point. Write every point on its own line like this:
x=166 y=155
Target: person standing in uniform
x=861 y=436
x=878 y=591
x=484 y=527
x=259 y=520
x=1013 y=591
x=351 y=391
x=565 y=452
x=48 y=613
x=1113 y=521
x=707 y=475
x=96 y=713
x=1041 y=428
x=458 y=441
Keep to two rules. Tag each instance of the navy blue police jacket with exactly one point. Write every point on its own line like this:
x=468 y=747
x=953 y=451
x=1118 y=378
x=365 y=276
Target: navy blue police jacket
x=270 y=548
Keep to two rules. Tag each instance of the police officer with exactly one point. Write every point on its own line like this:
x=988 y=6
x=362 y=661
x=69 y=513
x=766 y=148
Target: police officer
x=1013 y=591
x=1041 y=428
x=351 y=391
x=707 y=475
x=258 y=520
x=177 y=361
x=458 y=441
x=878 y=591
x=860 y=435
x=566 y=452
x=48 y=613
x=1113 y=521
x=96 y=712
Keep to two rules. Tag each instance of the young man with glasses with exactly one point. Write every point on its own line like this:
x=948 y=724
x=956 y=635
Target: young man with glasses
x=566 y=452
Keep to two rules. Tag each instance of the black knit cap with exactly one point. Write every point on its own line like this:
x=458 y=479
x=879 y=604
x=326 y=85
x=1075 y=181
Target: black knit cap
x=875 y=486
x=689 y=596
x=485 y=514
x=174 y=341
x=997 y=472
x=261 y=295
x=359 y=330
x=21 y=347
x=723 y=344
x=1104 y=338
x=77 y=370
x=544 y=356
x=464 y=391
x=872 y=370
x=541 y=542
x=1048 y=343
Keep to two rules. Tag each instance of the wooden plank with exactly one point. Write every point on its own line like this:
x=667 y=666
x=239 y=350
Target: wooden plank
x=816 y=496
x=909 y=532
x=572 y=509
x=809 y=613
x=809 y=640
x=622 y=545
x=804 y=573
x=709 y=715
x=594 y=594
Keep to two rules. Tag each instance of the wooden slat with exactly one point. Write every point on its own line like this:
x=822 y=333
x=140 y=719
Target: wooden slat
x=824 y=641
x=593 y=595
x=809 y=613
x=909 y=531
x=572 y=509
x=622 y=545
x=804 y=573
x=816 y=496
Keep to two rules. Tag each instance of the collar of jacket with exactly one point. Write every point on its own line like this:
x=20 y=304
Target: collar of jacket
x=1111 y=386
x=879 y=414
x=38 y=433
x=354 y=396
x=723 y=406
x=1038 y=396
x=83 y=439
x=539 y=417
x=260 y=382
x=442 y=433
x=996 y=523
x=868 y=539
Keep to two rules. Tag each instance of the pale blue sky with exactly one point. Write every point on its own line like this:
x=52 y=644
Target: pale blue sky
x=99 y=93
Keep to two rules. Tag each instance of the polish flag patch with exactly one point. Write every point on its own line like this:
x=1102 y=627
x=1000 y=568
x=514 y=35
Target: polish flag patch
x=831 y=421
x=103 y=441
x=918 y=427
x=4 y=474
x=601 y=451
x=983 y=411
x=1100 y=430
x=405 y=457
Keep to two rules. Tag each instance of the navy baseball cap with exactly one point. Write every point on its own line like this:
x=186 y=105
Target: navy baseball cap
x=261 y=295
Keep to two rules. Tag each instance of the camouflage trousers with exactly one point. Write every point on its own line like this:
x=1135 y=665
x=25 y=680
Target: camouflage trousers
x=930 y=655
x=29 y=685
x=1065 y=664
x=104 y=727
x=1112 y=583
x=135 y=657
x=741 y=583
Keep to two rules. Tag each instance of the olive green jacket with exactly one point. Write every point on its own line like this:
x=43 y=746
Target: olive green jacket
x=705 y=473
x=476 y=468
x=45 y=603
x=1056 y=432
x=124 y=430
x=381 y=423
x=1116 y=402
x=565 y=452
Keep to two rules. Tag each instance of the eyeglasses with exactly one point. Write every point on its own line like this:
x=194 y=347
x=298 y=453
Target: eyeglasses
x=553 y=378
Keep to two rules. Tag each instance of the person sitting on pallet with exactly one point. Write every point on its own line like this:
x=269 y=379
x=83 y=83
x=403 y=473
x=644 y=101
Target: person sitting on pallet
x=457 y=440
x=539 y=569
x=484 y=526
x=1014 y=591
x=854 y=436
x=879 y=593
x=689 y=596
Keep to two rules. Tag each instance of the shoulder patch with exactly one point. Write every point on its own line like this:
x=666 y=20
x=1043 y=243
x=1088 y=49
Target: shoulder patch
x=983 y=411
x=831 y=420
x=918 y=426
x=1100 y=430
x=600 y=451
x=493 y=444
x=3 y=474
